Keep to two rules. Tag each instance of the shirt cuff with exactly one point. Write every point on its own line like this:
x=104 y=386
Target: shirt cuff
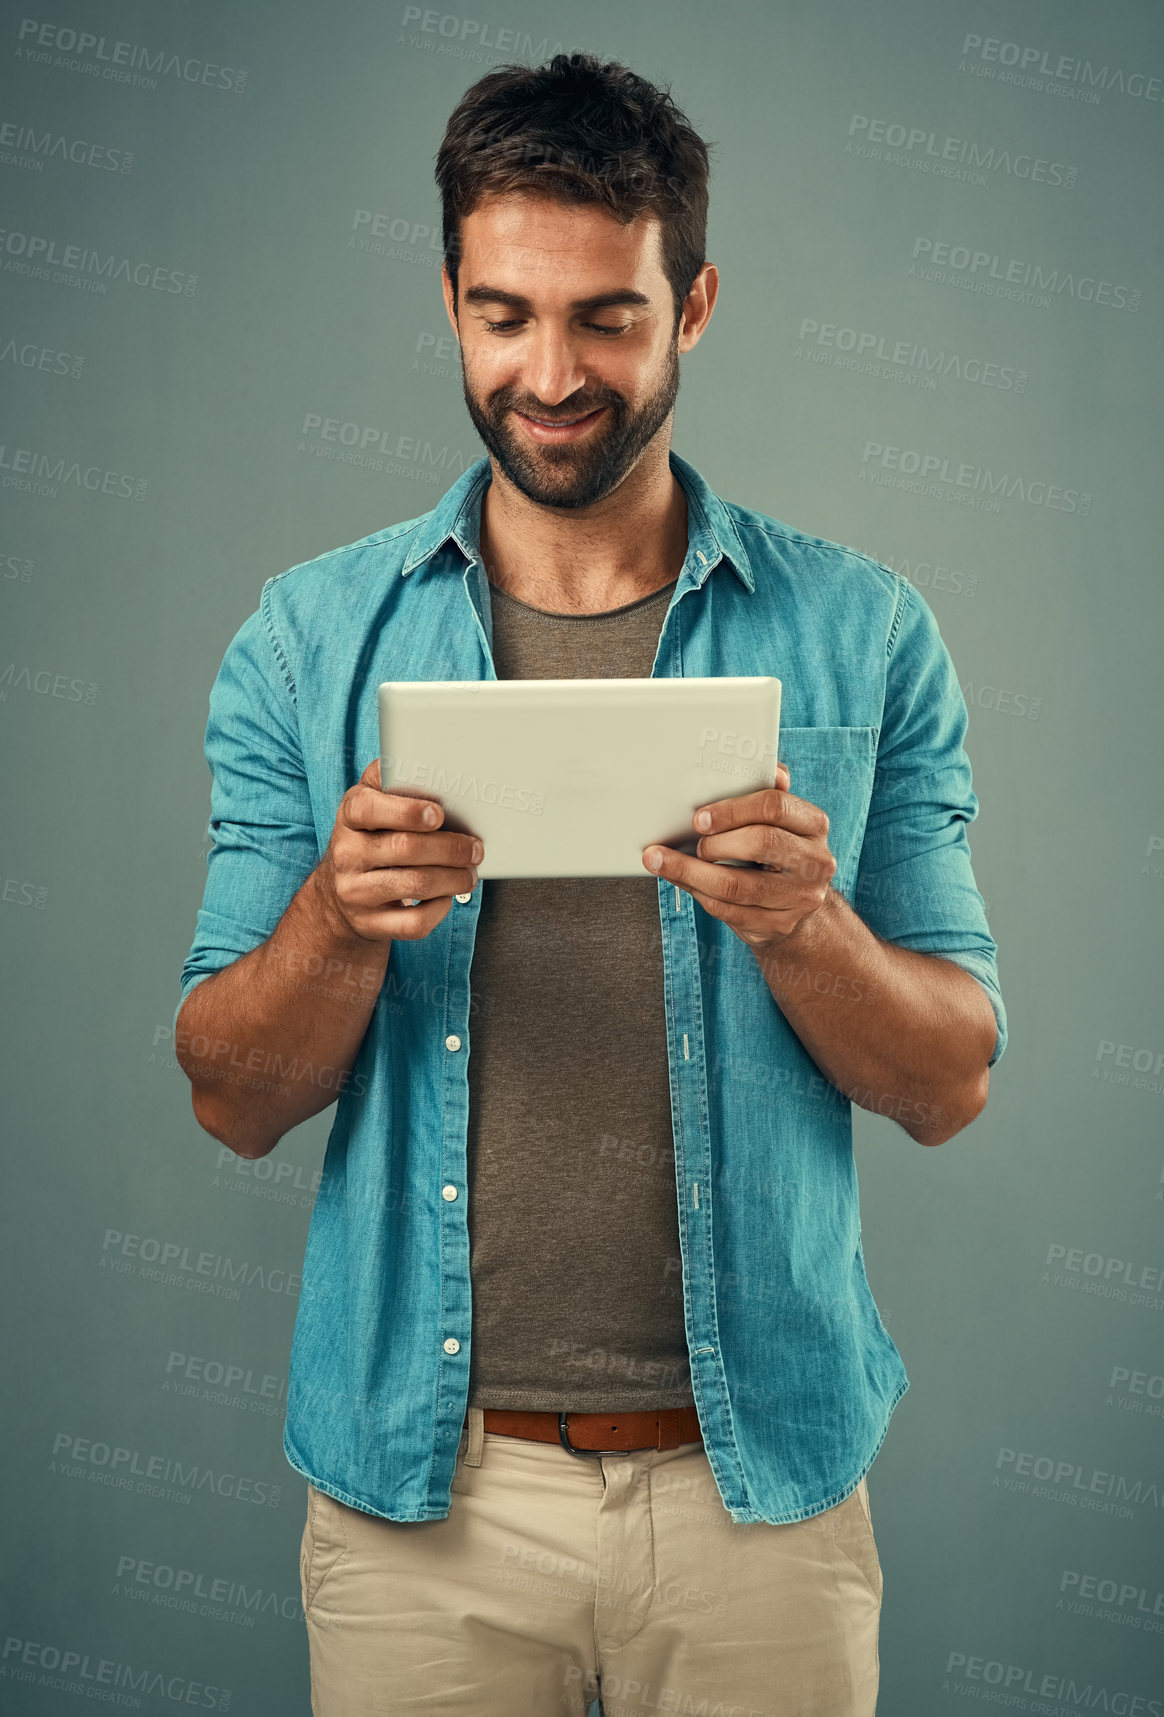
x=981 y=967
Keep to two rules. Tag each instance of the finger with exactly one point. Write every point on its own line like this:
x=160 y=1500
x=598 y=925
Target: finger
x=368 y=808
x=776 y=849
x=371 y=890
x=759 y=888
x=402 y=922
x=770 y=805
x=373 y=776
x=760 y=922
x=394 y=847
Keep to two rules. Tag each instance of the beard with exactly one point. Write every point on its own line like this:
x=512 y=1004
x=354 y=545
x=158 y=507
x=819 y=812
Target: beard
x=573 y=473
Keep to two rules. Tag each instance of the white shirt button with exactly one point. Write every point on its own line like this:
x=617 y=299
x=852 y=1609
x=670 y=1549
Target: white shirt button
x=463 y=898
x=452 y=1345
x=449 y=1192
x=452 y=1041
x=700 y=556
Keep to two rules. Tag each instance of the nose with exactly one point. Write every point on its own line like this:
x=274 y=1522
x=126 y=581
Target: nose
x=551 y=374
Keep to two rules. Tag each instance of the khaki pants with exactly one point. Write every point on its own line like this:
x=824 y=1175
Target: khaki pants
x=556 y=1579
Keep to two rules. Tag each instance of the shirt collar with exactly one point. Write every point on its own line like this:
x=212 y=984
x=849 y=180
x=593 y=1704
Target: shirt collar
x=711 y=531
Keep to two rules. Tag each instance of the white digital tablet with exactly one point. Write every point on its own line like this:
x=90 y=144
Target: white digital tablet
x=576 y=777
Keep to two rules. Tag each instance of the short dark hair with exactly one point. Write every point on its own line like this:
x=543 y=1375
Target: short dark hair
x=583 y=133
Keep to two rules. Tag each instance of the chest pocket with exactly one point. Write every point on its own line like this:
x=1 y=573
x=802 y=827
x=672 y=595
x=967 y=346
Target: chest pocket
x=833 y=767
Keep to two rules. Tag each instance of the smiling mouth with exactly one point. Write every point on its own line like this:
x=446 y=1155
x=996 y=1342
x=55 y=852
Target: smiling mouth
x=558 y=422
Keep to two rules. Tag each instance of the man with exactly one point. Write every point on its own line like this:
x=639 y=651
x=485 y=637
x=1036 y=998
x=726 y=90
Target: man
x=587 y=1375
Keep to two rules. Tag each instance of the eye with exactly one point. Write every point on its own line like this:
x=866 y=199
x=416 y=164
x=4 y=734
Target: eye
x=596 y=327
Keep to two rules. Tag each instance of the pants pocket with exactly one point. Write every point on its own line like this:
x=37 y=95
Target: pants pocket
x=853 y=1537
x=324 y=1545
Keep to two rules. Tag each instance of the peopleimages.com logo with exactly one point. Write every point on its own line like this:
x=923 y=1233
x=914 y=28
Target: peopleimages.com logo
x=1030 y=67
x=987 y=271
x=867 y=351
x=35 y=255
x=73 y=1671
x=966 y=481
x=923 y=150
x=967 y=1672
x=118 y=61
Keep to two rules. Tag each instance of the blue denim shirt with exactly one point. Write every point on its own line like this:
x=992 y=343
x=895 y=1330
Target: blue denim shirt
x=793 y=1371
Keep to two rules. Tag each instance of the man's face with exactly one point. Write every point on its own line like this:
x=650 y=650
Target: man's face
x=530 y=350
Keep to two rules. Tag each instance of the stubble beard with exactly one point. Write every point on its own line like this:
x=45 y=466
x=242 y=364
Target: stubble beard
x=573 y=474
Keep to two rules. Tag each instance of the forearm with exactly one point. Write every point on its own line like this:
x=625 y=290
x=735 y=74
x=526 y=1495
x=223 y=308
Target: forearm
x=270 y=1040
x=903 y=1034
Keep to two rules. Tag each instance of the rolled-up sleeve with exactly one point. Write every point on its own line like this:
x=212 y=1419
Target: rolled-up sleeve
x=915 y=886
x=265 y=842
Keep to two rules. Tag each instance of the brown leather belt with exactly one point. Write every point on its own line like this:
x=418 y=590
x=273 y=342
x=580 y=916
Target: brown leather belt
x=599 y=1433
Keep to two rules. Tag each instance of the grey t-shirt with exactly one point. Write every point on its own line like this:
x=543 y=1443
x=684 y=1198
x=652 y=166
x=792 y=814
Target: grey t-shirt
x=573 y=1215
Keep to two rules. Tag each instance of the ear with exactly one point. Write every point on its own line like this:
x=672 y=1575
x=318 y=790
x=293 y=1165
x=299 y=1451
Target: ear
x=447 y=290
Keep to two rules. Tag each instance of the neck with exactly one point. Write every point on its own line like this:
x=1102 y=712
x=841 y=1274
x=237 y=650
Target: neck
x=619 y=549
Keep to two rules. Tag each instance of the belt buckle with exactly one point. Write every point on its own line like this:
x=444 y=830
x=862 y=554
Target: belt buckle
x=564 y=1437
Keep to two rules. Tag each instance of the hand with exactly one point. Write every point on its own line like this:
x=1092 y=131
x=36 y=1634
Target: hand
x=387 y=875
x=786 y=836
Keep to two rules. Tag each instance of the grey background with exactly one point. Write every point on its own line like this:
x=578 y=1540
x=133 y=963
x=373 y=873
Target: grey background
x=117 y=606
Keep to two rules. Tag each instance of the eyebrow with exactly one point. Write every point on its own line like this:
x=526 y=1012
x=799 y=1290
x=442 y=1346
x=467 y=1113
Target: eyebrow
x=517 y=301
